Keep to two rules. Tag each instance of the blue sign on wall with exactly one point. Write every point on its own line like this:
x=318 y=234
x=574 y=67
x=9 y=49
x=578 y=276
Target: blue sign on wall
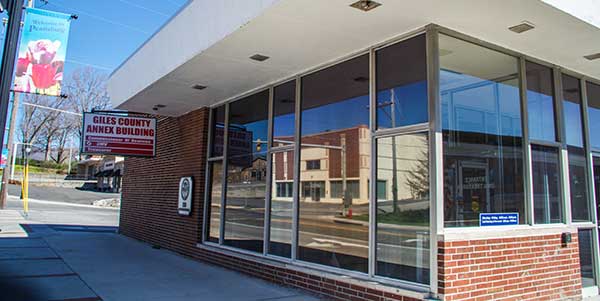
x=498 y=219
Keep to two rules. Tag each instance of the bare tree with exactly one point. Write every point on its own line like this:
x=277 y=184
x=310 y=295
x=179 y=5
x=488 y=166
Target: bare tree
x=35 y=118
x=86 y=89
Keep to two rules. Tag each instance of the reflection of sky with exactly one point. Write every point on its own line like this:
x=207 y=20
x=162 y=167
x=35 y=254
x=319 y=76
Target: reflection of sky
x=541 y=116
x=259 y=131
x=411 y=105
x=283 y=125
x=573 y=127
x=339 y=115
x=480 y=106
x=594 y=119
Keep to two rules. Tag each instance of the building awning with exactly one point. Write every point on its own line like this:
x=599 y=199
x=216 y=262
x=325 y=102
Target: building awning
x=209 y=43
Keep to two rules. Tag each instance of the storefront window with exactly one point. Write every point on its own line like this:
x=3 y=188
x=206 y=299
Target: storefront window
x=282 y=178
x=481 y=118
x=546 y=184
x=214 y=214
x=540 y=102
x=593 y=99
x=586 y=257
x=246 y=158
x=218 y=128
x=335 y=130
x=403 y=216
x=402 y=84
x=580 y=205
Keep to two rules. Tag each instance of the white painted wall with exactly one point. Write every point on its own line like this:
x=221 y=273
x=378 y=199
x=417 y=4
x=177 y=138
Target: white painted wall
x=198 y=26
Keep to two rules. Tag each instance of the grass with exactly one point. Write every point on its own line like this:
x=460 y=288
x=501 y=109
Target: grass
x=38 y=170
x=407 y=218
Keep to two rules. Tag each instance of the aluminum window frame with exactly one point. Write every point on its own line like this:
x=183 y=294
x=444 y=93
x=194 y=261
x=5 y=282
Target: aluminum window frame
x=435 y=135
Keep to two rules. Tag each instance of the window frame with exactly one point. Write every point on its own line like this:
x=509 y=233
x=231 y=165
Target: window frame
x=434 y=128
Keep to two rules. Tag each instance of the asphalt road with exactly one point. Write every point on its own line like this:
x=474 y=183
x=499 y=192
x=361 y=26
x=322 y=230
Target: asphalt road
x=62 y=194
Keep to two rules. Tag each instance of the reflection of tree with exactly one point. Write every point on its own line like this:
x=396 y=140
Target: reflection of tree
x=418 y=178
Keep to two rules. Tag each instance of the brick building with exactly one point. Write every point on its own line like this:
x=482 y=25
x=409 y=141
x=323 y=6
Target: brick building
x=382 y=150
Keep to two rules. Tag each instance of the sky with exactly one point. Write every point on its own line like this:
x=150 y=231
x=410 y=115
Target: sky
x=107 y=32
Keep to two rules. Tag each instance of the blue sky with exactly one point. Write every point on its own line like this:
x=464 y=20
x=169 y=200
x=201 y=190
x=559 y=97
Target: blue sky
x=108 y=31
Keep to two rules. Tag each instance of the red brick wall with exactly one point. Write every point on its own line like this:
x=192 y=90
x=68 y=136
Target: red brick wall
x=518 y=268
x=149 y=211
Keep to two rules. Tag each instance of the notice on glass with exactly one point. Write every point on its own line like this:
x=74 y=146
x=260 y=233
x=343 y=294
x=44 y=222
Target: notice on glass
x=498 y=219
x=109 y=134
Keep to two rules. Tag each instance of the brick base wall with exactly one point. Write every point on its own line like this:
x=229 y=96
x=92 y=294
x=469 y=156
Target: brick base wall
x=518 y=268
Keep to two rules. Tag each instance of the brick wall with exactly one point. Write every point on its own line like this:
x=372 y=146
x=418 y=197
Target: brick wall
x=149 y=213
x=518 y=268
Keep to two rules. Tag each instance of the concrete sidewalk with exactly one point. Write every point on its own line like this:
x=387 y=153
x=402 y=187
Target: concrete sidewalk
x=58 y=262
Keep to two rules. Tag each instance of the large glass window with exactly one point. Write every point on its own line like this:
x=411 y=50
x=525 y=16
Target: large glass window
x=218 y=128
x=481 y=119
x=214 y=214
x=403 y=216
x=334 y=128
x=586 y=257
x=580 y=205
x=402 y=84
x=593 y=99
x=282 y=169
x=540 y=102
x=546 y=184
x=246 y=172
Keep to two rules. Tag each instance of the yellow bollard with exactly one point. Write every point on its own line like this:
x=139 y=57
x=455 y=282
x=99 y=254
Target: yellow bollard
x=26 y=189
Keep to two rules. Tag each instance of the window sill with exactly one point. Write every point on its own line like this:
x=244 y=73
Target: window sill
x=474 y=233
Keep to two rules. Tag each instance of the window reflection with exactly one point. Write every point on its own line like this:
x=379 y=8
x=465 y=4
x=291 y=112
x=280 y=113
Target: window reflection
x=402 y=84
x=580 y=205
x=282 y=177
x=246 y=172
x=546 y=184
x=218 y=128
x=540 y=102
x=593 y=98
x=403 y=208
x=335 y=119
x=214 y=214
x=586 y=257
x=481 y=119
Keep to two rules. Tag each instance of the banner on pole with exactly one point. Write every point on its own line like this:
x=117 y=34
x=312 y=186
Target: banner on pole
x=111 y=134
x=42 y=52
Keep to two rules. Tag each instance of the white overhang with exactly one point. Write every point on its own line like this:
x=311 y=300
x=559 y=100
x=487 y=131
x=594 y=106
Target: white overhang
x=209 y=43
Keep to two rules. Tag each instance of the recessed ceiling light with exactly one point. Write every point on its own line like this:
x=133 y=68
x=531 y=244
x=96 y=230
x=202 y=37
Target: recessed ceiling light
x=444 y=52
x=160 y=106
x=361 y=79
x=259 y=57
x=199 y=87
x=522 y=27
x=592 y=57
x=365 y=5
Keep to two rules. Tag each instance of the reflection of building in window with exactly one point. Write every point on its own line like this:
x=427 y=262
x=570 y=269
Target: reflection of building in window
x=313 y=164
x=325 y=184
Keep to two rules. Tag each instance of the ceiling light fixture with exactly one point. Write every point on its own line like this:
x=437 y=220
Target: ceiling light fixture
x=522 y=27
x=259 y=57
x=361 y=79
x=592 y=57
x=365 y=5
x=199 y=87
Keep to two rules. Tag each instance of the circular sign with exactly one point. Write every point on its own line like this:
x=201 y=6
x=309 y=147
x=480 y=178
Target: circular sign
x=185 y=189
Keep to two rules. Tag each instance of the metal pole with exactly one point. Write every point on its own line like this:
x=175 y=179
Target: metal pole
x=394 y=163
x=12 y=153
x=15 y=10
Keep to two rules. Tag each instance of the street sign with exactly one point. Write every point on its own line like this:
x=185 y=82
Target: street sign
x=118 y=134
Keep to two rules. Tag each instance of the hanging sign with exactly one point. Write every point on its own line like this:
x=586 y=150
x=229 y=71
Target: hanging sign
x=111 y=134
x=42 y=52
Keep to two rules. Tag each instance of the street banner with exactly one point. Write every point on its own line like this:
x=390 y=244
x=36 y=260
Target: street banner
x=42 y=52
x=4 y=158
x=112 y=134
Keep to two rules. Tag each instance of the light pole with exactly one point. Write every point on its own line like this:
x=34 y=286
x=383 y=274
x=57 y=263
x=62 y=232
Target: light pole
x=392 y=104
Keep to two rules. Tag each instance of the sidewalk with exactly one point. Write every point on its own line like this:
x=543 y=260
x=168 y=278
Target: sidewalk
x=50 y=262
